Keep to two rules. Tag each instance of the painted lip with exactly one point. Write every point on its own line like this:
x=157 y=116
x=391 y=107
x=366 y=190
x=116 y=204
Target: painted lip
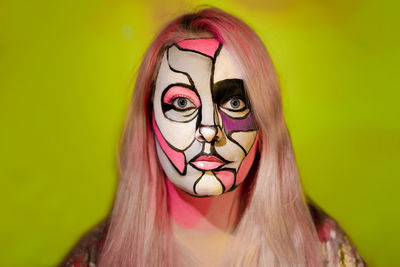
x=207 y=162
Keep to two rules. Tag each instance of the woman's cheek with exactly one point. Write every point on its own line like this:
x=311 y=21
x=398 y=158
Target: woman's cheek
x=178 y=134
x=242 y=131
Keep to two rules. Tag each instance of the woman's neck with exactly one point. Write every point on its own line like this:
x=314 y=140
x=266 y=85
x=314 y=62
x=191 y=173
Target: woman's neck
x=217 y=213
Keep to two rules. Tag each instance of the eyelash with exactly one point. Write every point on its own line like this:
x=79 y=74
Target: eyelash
x=242 y=102
x=173 y=98
x=182 y=109
x=176 y=92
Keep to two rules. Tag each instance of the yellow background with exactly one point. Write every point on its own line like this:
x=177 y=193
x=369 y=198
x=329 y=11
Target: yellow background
x=66 y=70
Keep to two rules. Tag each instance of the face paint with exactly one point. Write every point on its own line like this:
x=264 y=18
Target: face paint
x=206 y=136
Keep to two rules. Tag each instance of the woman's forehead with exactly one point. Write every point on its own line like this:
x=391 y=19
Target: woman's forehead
x=199 y=59
x=226 y=67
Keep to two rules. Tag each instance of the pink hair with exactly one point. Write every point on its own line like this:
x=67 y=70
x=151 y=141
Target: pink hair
x=275 y=229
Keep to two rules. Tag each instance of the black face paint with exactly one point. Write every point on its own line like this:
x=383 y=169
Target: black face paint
x=223 y=90
x=228 y=89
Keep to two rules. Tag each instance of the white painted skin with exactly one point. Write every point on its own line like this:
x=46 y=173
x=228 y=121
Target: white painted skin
x=185 y=135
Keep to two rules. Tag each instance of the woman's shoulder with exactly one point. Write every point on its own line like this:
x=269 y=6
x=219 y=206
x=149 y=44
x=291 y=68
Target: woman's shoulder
x=86 y=251
x=337 y=248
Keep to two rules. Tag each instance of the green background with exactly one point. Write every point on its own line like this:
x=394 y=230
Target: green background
x=66 y=74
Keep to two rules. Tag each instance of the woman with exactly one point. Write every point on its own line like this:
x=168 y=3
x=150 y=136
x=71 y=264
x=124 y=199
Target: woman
x=207 y=170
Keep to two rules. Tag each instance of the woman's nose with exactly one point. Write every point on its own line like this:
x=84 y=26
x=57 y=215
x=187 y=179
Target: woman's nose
x=208 y=133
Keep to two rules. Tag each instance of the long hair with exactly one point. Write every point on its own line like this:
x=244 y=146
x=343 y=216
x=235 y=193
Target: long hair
x=275 y=228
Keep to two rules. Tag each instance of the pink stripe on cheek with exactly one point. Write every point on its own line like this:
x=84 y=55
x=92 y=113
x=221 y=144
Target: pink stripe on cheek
x=177 y=158
x=180 y=91
x=227 y=178
x=247 y=163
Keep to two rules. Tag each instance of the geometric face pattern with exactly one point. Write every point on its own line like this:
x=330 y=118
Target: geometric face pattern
x=206 y=136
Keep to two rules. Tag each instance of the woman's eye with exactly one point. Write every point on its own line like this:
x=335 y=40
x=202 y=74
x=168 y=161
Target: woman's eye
x=234 y=104
x=182 y=103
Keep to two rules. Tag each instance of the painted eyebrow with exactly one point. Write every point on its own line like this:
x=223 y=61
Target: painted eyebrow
x=227 y=88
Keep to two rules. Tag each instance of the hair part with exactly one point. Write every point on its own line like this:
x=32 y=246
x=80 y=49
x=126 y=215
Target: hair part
x=275 y=228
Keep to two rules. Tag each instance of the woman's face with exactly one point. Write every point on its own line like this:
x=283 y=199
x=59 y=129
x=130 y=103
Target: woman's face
x=204 y=128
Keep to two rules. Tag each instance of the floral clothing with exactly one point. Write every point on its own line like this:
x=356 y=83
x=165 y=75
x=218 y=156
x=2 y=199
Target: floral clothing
x=337 y=249
x=336 y=246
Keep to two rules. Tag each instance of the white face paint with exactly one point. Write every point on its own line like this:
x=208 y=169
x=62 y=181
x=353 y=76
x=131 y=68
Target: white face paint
x=204 y=128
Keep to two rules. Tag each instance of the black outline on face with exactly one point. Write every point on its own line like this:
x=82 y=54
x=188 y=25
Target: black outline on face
x=166 y=107
x=212 y=74
x=240 y=118
x=173 y=148
x=233 y=140
x=213 y=153
x=218 y=99
x=234 y=185
x=178 y=71
x=235 y=87
x=235 y=110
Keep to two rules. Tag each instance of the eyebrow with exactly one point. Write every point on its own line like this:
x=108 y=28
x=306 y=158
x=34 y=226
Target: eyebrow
x=225 y=89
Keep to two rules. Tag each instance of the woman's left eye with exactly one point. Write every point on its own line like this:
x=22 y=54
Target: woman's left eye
x=234 y=104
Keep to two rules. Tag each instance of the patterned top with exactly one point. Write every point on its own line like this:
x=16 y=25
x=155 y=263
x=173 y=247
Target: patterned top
x=337 y=248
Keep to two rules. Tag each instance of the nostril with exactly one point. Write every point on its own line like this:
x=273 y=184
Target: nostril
x=200 y=137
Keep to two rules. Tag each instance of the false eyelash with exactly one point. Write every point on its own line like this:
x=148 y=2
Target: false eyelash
x=170 y=100
x=177 y=91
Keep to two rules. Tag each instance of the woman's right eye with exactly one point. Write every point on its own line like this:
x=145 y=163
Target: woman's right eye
x=182 y=104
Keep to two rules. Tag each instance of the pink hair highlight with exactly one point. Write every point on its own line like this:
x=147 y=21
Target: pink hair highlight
x=275 y=229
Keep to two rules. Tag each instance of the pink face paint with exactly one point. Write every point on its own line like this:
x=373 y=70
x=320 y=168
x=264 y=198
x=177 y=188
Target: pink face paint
x=205 y=46
x=179 y=201
x=179 y=91
x=205 y=213
x=227 y=178
x=177 y=158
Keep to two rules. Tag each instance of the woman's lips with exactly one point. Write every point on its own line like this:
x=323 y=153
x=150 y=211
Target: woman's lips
x=207 y=162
